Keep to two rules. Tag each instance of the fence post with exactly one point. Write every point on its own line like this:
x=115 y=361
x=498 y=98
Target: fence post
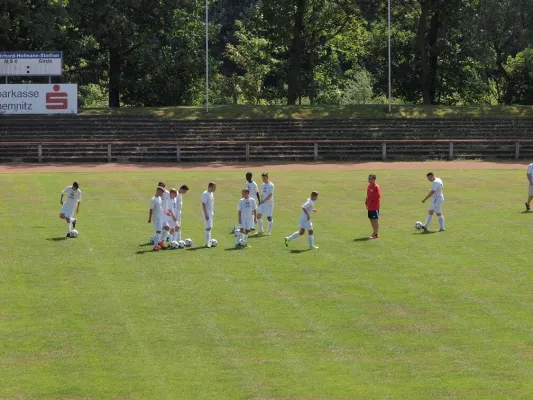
x=517 y=150
x=178 y=153
x=315 y=152
x=451 y=150
x=109 y=152
x=247 y=152
x=40 y=152
x=384 y=151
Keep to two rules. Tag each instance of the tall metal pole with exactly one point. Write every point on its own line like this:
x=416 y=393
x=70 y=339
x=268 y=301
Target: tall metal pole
x=206 y=56
x=389 y=58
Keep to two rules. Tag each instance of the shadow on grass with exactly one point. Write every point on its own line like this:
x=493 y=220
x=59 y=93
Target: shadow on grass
x=57 y=239
x=424 y=233
x=197 y=248
x=299 y=251
x=362 y=239
x=233 y=248
x=526 y=212
x=146 y=251
x=256 y=236
x=146 y=244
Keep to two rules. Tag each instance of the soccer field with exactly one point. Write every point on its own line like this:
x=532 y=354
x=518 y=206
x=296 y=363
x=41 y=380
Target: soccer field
x=447 y=315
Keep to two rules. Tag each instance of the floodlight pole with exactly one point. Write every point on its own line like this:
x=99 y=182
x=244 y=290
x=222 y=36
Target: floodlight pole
x=389 y=58
x=206 y=56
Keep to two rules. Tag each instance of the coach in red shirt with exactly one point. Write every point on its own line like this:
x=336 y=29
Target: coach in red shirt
x=373 y=193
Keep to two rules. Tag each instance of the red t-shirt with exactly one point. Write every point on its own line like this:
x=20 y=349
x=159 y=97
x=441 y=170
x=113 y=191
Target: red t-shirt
x=373 y=193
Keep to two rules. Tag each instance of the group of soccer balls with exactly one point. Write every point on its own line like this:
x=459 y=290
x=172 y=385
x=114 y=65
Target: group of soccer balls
x=181 y=244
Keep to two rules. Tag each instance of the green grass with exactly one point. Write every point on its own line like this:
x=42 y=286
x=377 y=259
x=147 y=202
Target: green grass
x=299 y=112
x=408 y=316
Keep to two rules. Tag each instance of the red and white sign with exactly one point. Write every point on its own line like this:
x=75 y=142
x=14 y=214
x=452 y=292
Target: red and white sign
x=59 y=98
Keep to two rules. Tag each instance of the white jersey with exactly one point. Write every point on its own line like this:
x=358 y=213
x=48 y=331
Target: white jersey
x=254 y=190
x=175 y=206
x=73 y=197
x=309 y=205
x=530 y=169
x=266 y=189
x=437 y=186
x=209 y=200
x=165 y=199
x=246 y=207
x=156 y=207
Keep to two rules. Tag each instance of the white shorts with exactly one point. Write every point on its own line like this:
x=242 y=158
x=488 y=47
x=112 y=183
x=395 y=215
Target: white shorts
x=157 y=224
x=266 y=209
x=247 y=224
x=530 y=190
x=173 y=224
x=436 y=205
x=208 y=223
x=67 y=210
x=305 y=223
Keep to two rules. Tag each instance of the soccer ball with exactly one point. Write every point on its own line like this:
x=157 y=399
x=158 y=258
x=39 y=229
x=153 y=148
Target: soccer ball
x=418 y=225
x=174 y=245
x=74 y=233
x=213 y=242
x=242 y=243
x=188 y=242
x=181 y=244
x=236 y=230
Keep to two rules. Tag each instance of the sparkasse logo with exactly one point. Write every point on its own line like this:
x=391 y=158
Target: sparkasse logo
x=56 y=100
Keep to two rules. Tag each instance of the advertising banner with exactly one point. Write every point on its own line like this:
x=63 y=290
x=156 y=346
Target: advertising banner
x=31 y=63
x=59 y=98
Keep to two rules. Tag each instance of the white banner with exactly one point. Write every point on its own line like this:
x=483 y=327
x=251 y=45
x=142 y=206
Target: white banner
x=31 y=63
x=59 y=98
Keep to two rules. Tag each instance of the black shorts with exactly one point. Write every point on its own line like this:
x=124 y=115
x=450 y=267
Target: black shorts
x=373 y=214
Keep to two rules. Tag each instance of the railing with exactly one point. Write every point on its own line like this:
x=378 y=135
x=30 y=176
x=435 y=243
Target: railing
x=248 y=145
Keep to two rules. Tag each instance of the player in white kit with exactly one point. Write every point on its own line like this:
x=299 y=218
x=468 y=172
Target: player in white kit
x=305 y=222
x=71 y=206
x=266 y=205
x=156 y=216
x=175 y=208
x=165 y=204
x=247 y=216
x=529 y=173
x=437 y=198
x=208 y=210
x=254 y=190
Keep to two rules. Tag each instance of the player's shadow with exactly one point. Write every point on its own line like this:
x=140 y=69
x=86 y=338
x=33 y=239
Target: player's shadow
x=197 y=248
x=299 y=251
x=146 y=244
x=362 y=239
x=144 y=251
x=58 y=239
x=526 y=212
x=233 y=248
x=424 y=233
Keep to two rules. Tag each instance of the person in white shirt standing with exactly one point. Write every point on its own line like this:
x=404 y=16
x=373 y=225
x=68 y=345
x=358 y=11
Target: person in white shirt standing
x=437 y=198
x=305 y=222
x=71 y=206
x=247 y=216
x=254 y=190
x=529 y=173
x=208 y=210
x=156 y=215
x=175 y=208
x=165 y=205
x=266 y=205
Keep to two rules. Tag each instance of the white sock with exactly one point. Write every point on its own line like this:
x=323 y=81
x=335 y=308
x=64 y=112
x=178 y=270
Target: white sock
x=260 y=225
x=294 y=235
x=164 y=234
x=428 y=220
x=157 y=239
x=270 y=223
x=311 y=240
x=246 y=238
x=69 y=226
x=207 y=237
x=178 y=235
x=441 y=222
x=238 y=237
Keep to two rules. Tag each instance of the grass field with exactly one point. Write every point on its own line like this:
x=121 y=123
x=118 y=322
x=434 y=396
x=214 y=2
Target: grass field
x=408 y=316
x=242 y=111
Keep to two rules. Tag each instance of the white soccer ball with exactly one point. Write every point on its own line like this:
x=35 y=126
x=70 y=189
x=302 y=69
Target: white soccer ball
x=74 y=233
x=236 y=230
x=174 y=245
x=242 y=243
x=213 y=242
x=181 y=244
x=188 y=242
x=418 y=225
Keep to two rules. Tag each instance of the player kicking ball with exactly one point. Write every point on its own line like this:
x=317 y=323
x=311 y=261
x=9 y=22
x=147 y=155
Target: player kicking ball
x=247 y=216
x=71 y=206
x=435 y=206
x=305 y=222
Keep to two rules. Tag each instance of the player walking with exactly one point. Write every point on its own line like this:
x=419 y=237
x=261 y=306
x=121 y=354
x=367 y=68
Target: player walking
x=305 y=222
x=156 y=214
x=266 y=205
x=247 y=215
x=437 y=198
x=254 y=190
x=71 y=206
x=208 y=210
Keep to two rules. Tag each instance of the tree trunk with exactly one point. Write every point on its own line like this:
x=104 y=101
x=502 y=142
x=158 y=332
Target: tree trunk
x=433 y=56
x=422 y=45
x=296 y=54
x=114 y=77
